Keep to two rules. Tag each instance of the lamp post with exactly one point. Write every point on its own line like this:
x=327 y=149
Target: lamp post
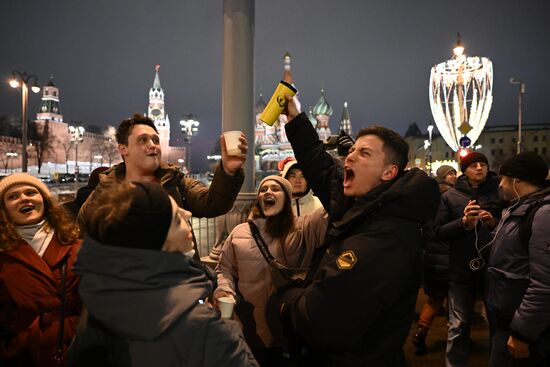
x=181 y=161
x=461 y=97
x=11 y=155
x=430 y=129
x=77 y=136
x=520 y=102
x=100 y=158
x=458 y=51
x=23 y=79
x=189 y=127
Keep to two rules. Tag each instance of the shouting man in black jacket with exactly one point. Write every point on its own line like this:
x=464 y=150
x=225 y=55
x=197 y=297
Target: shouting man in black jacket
x=357 y=308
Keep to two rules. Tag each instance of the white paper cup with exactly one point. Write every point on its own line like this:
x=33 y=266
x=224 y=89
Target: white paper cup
x=226 y=305
x=232 y=142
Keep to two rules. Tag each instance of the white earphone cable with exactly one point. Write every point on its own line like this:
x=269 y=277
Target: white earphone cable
x=478 y=262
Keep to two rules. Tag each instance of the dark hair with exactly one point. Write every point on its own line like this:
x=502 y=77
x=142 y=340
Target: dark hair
x=110 y=205
x=57 y=217
x=125 y=127
x=395 y=147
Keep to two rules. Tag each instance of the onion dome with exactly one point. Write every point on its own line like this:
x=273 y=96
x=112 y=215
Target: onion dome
x=322 y=107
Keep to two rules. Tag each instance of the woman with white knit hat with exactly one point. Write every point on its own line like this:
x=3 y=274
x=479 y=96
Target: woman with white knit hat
x=39 y=291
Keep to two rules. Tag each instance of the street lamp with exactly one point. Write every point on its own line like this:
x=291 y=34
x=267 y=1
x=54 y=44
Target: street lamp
x=100 y=158
x=23 y=79
x=181 y=161
x=430 y=129
x=77 y=136
x=458 y=51
x=189 y=127
x=10 y=155
x=520 y=99
x=461 y=96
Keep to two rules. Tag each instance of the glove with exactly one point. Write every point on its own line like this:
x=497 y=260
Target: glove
x=345 y=142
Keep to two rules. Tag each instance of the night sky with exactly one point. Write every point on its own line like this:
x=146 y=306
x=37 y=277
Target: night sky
x=376 y=54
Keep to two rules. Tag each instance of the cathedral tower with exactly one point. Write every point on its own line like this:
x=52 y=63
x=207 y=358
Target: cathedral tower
x=345 y=121
x=322 y=112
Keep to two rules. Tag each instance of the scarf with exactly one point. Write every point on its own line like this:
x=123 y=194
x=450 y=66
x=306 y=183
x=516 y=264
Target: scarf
x=38 y=236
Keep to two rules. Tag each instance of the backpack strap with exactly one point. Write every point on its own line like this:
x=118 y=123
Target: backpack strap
x=526 y=223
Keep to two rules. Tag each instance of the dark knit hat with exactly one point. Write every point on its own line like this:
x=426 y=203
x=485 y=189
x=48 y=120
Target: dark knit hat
x=471 y=158
x=444 y=170
x=146 y=223
x=528 y=166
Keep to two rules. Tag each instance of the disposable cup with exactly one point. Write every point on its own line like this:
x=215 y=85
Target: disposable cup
x=226 y=305
x=277 y=103
x=232 y=142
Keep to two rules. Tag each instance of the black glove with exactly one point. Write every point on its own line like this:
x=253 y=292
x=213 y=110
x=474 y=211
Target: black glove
x=345 y=142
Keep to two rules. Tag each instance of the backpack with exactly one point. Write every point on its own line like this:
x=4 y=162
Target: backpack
x=526 y=223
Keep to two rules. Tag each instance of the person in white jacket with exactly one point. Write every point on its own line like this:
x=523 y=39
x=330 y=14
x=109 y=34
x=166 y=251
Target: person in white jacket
x=303 y=200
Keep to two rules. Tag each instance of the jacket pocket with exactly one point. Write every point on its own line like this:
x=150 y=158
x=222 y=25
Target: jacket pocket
x=504 y=293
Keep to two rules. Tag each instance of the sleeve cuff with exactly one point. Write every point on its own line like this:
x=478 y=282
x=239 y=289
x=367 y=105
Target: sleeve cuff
x=520 y=337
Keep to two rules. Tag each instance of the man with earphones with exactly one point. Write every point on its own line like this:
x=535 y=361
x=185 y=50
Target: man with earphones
x=466 y=216
x=518 y=273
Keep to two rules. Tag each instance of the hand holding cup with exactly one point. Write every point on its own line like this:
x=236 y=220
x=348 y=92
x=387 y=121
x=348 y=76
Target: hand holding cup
x=225 y=305
x=234 y=149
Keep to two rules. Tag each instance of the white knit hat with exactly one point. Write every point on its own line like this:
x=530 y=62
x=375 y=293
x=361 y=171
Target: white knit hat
x=23 y=179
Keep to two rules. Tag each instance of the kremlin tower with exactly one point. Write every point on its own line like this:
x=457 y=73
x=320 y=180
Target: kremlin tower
x=157 y=113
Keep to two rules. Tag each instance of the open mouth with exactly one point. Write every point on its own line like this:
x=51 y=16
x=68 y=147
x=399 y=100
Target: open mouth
x=26 y=209
x=152 y=154
x=348 y=176
x=269 y=202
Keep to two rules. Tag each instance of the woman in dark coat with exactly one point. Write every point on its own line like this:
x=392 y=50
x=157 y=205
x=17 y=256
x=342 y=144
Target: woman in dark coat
x=145 y=295
x=38 y=245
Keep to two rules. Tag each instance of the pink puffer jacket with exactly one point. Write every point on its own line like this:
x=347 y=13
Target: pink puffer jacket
x=243 y=267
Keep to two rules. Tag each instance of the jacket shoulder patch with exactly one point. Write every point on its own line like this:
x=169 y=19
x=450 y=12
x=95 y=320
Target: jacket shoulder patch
x=346 y=260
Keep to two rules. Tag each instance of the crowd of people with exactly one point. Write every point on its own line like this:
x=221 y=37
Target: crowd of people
x=325 y=272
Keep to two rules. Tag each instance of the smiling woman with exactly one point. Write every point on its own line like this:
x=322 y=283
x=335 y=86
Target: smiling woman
x=243 y=269
x=38 y=243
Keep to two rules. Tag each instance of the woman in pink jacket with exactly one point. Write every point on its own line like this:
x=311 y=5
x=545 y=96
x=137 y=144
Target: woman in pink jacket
x=243 y=271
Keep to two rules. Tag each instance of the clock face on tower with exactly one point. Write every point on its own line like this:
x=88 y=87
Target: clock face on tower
x=155 y=112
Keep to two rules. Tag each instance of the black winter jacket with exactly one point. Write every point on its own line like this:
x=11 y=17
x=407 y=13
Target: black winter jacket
x=358 y=309
x=436 y=264
x=449 y=228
